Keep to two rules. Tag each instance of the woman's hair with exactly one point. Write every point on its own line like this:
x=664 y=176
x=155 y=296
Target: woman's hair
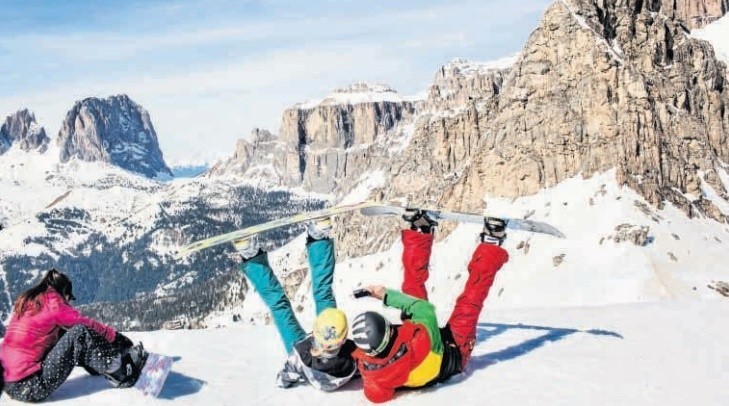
x=30 y=299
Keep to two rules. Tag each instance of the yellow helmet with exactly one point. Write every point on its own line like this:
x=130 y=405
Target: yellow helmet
x=330 y=329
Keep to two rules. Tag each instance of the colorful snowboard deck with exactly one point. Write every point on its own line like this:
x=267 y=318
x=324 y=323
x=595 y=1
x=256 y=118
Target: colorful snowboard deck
x=154 y=374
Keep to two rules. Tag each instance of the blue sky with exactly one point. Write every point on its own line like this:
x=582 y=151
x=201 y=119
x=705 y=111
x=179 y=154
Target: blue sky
x=210 y=71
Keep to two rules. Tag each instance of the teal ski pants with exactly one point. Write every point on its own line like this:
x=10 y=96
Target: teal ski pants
x=321 y=265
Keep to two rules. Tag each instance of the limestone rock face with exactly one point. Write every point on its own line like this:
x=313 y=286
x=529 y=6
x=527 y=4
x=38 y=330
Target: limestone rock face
x=328 y=139
x=114 y=130
x=693 y=13
x=22 y=129
x=602 y=86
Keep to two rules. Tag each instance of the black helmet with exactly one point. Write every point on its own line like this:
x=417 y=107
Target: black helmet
x=371 y=332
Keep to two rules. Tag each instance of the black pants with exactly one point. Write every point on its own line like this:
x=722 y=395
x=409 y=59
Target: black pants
x=80 y=346
x=451 y=363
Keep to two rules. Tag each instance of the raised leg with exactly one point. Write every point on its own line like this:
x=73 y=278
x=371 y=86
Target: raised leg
x=259 y=272
x=417 y=247
x=485 y=262
x=321 y=264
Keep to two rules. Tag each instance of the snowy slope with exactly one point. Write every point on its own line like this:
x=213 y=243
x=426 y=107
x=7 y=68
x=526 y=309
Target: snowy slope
x=670 y=353
x=650 y=330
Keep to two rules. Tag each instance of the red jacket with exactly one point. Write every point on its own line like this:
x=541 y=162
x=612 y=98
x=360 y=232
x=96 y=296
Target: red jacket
x=29 y=338
x=414 y=360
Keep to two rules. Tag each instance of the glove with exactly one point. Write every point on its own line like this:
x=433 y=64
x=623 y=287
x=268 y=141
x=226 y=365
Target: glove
x=122 y=341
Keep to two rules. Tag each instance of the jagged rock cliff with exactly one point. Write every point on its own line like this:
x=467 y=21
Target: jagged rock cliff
x=619 y=85
x=598 y=85
x=328 y=139
x=114 y=130
x=324 y=145
x=21 y=129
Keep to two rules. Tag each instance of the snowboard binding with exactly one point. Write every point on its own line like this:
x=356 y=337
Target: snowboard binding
x=319 y=229
x=248 y=247
x=419 y=221
x=129 y=367
x=494 y=231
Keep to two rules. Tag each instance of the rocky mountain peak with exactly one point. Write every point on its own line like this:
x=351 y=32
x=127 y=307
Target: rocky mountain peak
x=461 y=82
x=260 y=157
x=114 y=130
x=601 y=85
x=21 y=128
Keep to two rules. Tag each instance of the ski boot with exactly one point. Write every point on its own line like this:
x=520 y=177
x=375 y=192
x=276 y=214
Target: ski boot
x=247 y=247
x=494 y=231
x=319 y=229
x=419 y=221
x=126 y=368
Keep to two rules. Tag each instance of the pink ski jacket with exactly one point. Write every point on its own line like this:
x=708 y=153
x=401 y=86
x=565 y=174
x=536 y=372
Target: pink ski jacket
x=29 y=338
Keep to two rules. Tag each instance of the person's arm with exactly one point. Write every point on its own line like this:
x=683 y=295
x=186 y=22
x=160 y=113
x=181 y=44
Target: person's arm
x=418 y=310
x=66 y=316
x=377 y=394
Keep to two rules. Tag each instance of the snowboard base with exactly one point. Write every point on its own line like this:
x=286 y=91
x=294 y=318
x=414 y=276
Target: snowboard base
x=154 y=374
x=443 y=215
x=249 y=231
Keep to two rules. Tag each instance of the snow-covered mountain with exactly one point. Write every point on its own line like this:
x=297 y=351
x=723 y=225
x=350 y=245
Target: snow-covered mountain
x=114 y=231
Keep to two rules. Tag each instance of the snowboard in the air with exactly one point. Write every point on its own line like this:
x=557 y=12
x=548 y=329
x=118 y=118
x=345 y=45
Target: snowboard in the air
x=154 y=374
x=249 y=231
x=442 y=215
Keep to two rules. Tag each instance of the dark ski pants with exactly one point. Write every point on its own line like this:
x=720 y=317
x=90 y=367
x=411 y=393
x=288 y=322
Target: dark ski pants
x=321 y=264
x=79 y=346
x=485 y=262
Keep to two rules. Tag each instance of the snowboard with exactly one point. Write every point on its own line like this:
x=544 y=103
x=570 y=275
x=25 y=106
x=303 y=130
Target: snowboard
x=442 y=215
x=249 y=231
x=154 y=374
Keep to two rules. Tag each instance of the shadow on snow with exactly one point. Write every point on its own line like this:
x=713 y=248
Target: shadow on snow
x=177 y=385
x=551 y=334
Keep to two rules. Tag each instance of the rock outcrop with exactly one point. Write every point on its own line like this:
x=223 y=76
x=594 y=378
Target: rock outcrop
x=329 y=139
x=22 y=129
x=596 y=87
x=261 y=158
x=694 y=13
x=114 y=130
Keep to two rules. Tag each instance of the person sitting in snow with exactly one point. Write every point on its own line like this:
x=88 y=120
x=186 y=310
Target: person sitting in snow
x=324 y=357
x=47 y=338
x=417 y=352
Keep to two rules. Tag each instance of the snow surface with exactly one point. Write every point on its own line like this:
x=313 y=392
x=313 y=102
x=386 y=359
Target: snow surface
x=466 y=67
x=648 y=354
x=357 y=93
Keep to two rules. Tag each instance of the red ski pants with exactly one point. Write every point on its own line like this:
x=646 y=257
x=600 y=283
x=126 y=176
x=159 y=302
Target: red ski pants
x=485 y=262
